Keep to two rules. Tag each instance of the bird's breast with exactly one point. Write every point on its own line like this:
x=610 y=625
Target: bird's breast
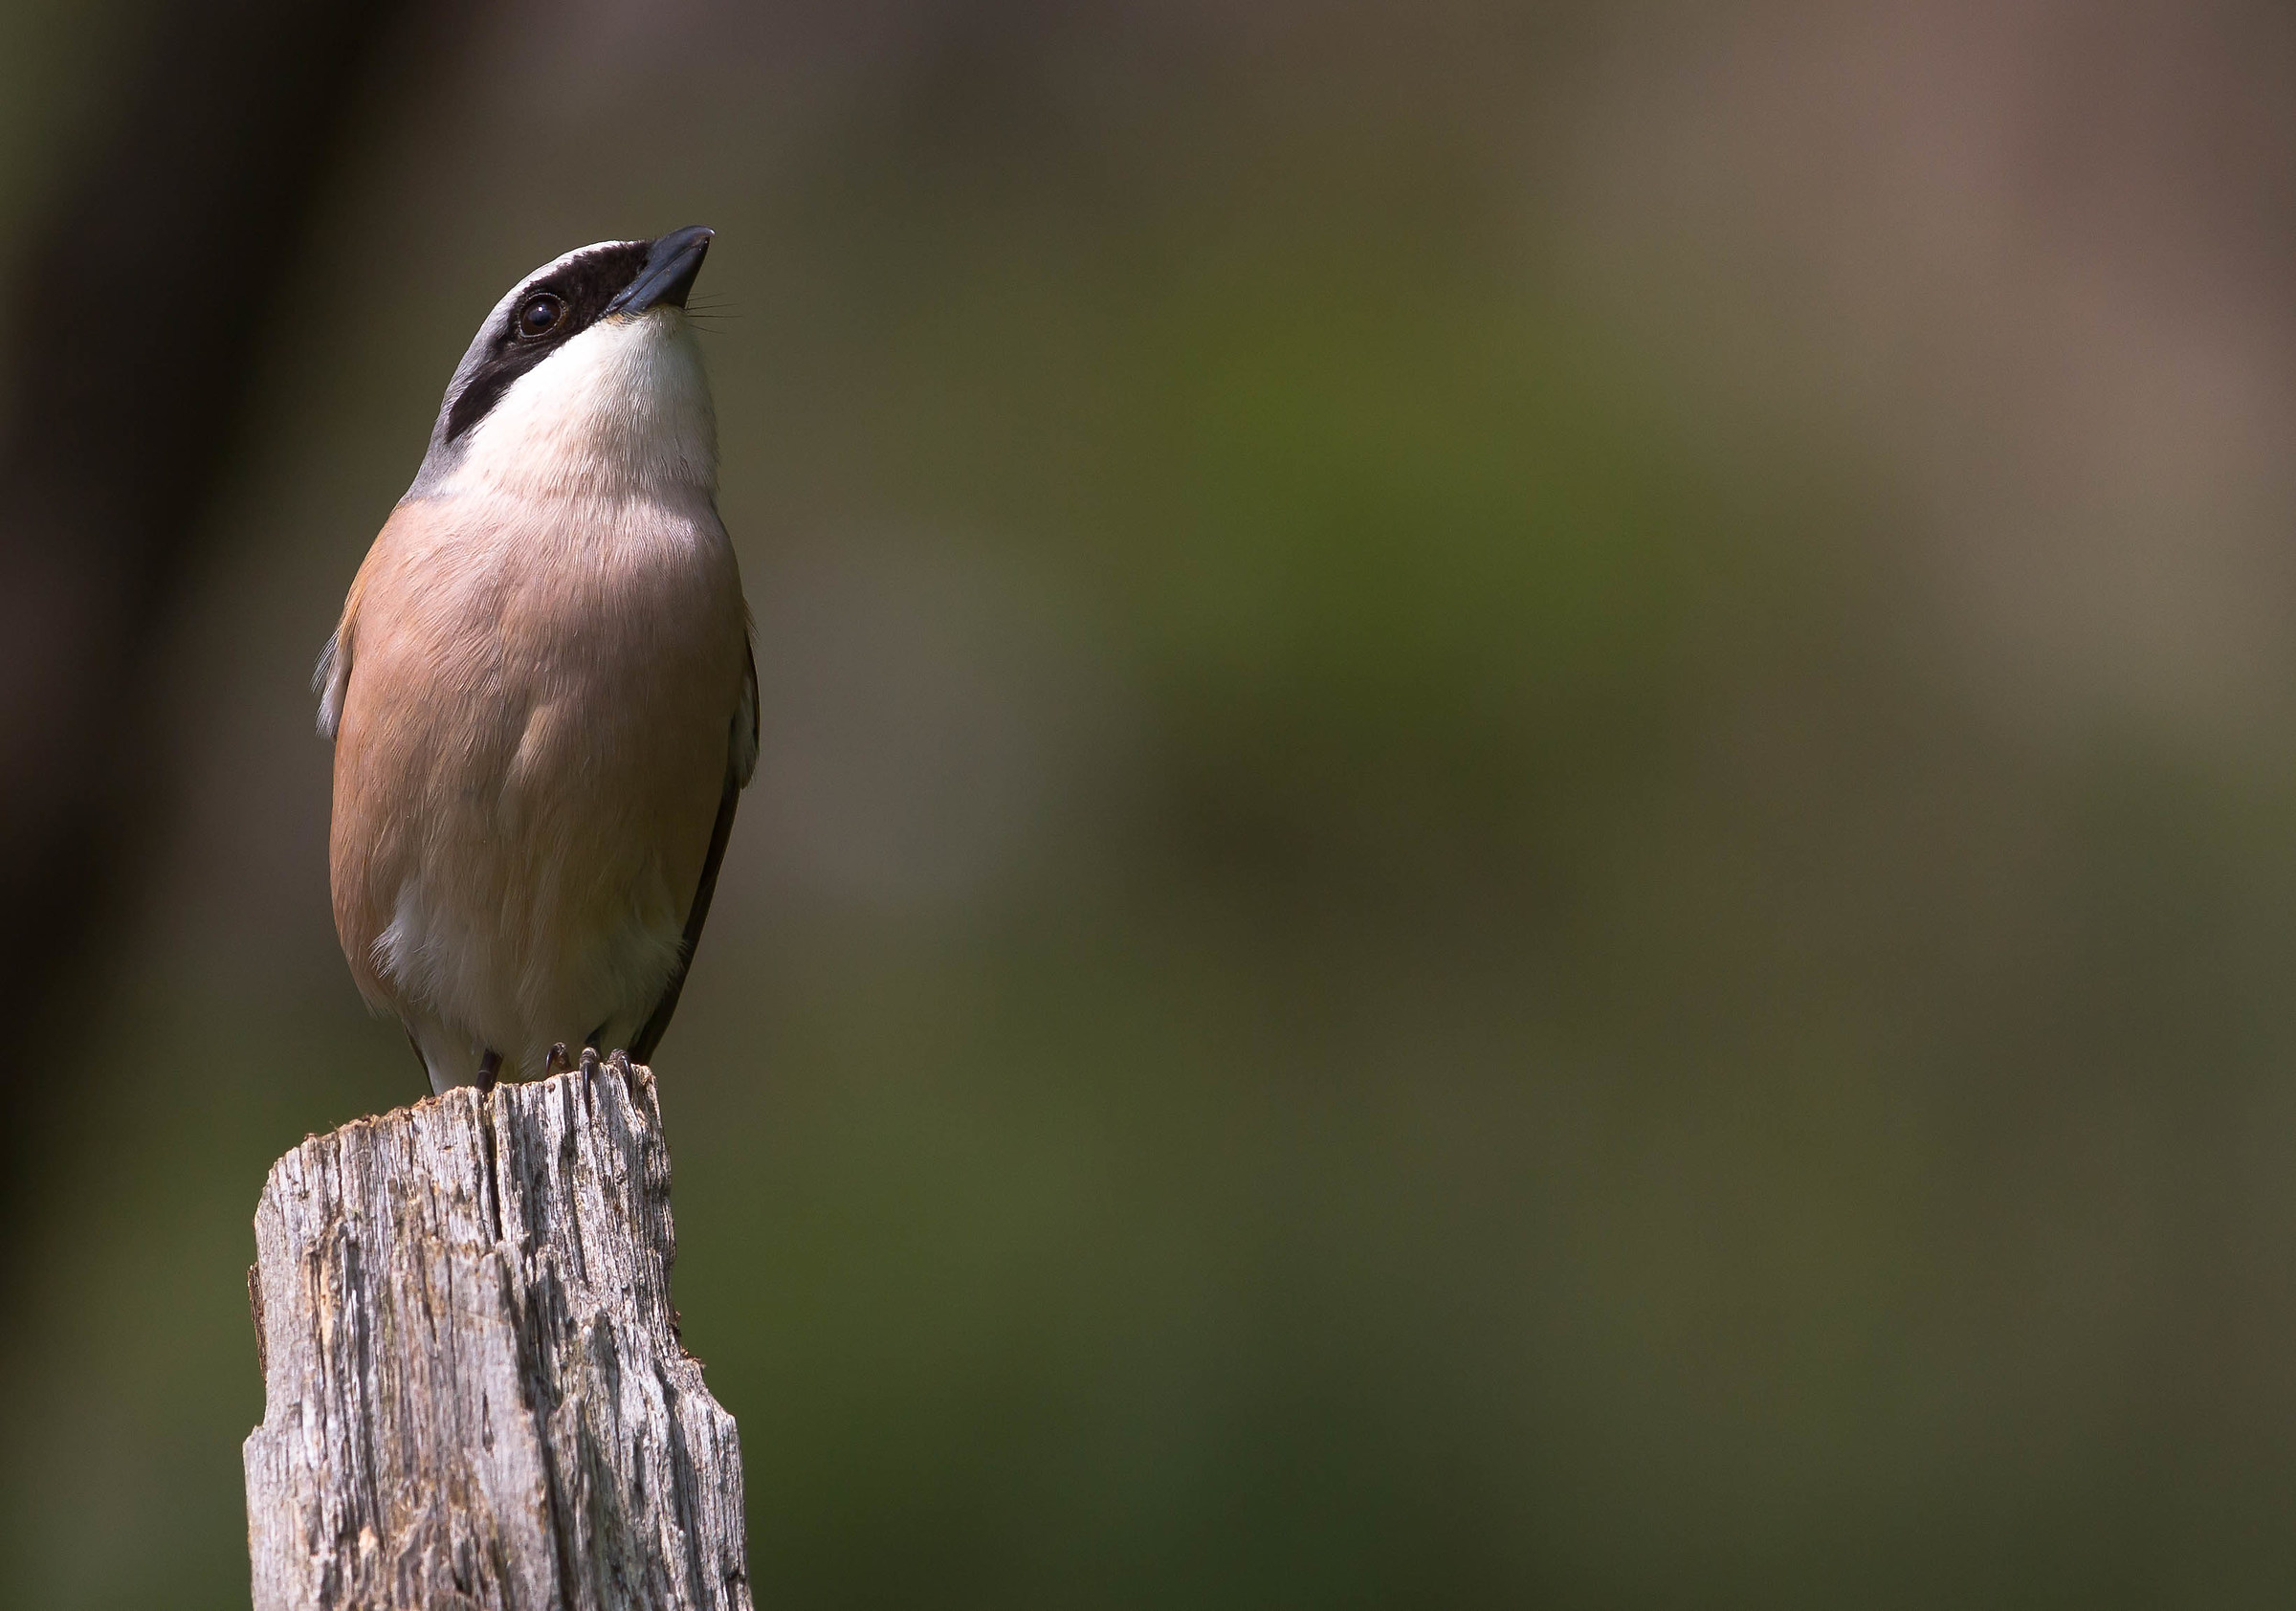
x=533 y=747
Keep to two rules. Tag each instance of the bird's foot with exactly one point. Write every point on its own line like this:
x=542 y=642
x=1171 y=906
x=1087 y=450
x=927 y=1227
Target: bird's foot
x=558 y=1062
x=490 y=1069
x=619 y=1062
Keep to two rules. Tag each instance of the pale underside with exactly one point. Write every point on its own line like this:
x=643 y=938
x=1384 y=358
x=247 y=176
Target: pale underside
x=535 y=735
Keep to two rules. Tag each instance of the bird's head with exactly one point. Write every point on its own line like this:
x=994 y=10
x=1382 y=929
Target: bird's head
x=585 y=381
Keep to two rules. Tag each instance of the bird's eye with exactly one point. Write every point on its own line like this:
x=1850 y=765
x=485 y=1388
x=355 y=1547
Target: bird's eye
x=540 y=314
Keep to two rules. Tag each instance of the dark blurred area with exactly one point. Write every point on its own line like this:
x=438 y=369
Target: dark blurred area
x=1529 y=824
x=151 y=265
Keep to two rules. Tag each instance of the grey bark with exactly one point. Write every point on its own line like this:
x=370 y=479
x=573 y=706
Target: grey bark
x=475 y=1392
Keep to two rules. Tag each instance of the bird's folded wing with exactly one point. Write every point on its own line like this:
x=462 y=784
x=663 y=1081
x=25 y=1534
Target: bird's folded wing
x=741 y=764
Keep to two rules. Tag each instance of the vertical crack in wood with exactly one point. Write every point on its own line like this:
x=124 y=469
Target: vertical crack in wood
x=490 y=1177
x=254 y=1310
x=475 y=1391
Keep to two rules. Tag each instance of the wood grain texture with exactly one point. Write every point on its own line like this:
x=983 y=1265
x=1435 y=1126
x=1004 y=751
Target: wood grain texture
x=475 y=1392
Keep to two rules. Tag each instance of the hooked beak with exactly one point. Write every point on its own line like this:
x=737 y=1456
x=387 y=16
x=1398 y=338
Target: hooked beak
x=668 y=272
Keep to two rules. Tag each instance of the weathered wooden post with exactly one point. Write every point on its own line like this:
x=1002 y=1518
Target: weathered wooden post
x=475 y=1392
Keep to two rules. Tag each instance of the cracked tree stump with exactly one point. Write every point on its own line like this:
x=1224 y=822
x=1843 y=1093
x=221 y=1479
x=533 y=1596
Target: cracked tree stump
x=475 y=1392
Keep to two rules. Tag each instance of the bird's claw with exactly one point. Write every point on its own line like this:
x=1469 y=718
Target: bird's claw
x=615 y=1061
x=558 y=1062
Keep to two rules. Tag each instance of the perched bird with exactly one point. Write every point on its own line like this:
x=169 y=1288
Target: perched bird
x=541 y=693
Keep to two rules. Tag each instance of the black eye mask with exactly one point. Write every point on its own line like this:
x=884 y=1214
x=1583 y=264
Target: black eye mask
x=585 y=285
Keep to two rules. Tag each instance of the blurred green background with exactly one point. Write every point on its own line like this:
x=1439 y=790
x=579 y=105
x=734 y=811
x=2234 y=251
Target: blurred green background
x=1529 y=824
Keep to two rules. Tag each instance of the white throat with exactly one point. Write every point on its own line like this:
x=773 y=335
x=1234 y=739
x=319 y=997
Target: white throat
x=620 y=411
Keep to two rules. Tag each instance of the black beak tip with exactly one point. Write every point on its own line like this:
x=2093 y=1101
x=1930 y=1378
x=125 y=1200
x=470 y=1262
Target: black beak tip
x=694 y=237
x=671 y=262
